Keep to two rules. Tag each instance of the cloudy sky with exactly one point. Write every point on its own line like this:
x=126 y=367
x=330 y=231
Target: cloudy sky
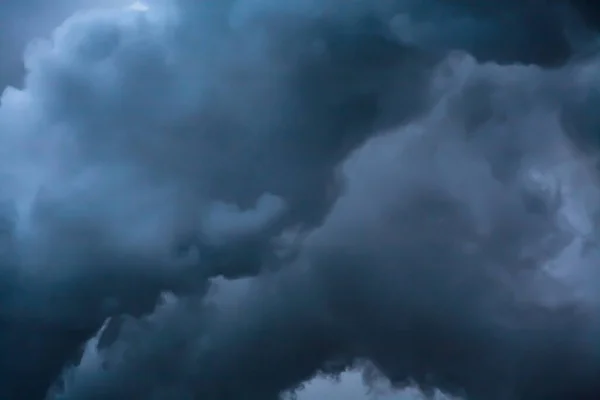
x=255 y=199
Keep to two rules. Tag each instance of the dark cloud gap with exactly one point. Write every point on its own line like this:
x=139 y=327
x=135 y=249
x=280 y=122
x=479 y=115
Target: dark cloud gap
x=222 y=200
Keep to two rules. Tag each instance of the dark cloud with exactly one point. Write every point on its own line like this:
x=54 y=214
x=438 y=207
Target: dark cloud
x=221 y=200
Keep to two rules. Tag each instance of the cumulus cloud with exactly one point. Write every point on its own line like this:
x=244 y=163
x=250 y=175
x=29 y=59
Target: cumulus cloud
x=22 y=21
x=226 y=199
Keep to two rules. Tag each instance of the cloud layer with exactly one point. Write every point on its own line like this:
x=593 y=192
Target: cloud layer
x=224 y=199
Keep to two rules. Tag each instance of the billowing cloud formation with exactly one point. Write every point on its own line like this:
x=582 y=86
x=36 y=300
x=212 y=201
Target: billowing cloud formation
x=221 y=200
x=22 y=21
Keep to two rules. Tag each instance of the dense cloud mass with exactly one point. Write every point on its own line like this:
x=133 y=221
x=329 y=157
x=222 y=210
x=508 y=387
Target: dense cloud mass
x=224 y=199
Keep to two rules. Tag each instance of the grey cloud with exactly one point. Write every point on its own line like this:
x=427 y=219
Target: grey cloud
x=21 y=21
x=444 y=213
x=431 y=265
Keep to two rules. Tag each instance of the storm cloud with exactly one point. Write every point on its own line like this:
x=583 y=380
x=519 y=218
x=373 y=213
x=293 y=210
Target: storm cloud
x=226 y=199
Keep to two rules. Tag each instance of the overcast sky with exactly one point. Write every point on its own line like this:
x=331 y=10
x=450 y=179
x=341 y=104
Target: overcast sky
x=222 y=199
